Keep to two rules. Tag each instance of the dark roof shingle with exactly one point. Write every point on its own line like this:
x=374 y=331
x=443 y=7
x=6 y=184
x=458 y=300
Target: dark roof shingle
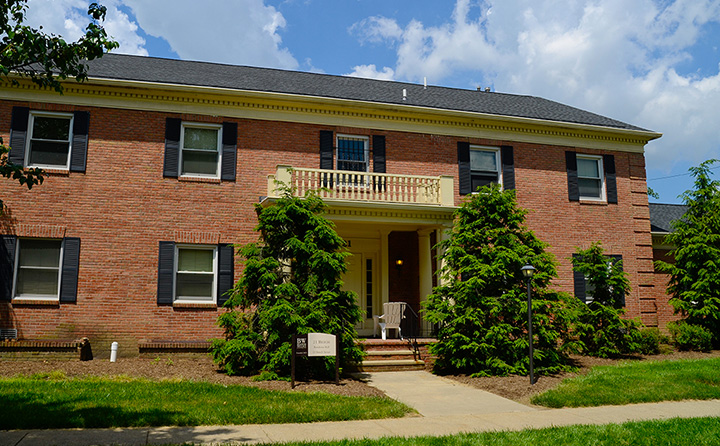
x=662 y=216
x=171 y=71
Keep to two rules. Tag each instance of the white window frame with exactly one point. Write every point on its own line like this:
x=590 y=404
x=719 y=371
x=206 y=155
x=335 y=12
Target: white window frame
x=365 y=139
x=601 y=173
x=189 y=299
x=498 y=163
x=199 y=125
x=16 y=272
x=31 y=128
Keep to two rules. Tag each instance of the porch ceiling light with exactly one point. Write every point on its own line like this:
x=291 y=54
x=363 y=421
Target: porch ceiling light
x=399 y=263
x=527 y=271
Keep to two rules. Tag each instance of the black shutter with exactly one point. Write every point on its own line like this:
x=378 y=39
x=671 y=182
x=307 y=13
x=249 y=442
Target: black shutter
x=78 y=151
x=18 y=134
x=326 y=155
x=326 y=149
x=508 y=167
x=463 y=149
x=618 y=257
x=172 y=147
x=70 y=266
x=378 y=142
x=229 y=151
x=610 y=182
x=7 y=266
x=579 y=282
x=226 y=272
x=166 y=273
x=571 y=165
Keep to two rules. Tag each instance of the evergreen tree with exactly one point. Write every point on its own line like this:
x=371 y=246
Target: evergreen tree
x=695 y=275
x=481 y=307
x=600 y=327
x=291 y=284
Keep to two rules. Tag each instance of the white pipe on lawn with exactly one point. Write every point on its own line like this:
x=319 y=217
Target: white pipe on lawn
x=113 y=352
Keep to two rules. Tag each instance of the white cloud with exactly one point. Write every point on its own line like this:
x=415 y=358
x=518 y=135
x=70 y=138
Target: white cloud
x=68 y=18
x=371 y=72
x=613 y=57
x=228 y=31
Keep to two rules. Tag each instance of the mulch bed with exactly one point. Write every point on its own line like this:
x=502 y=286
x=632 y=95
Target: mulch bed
x=518 y=388
x=202 y=369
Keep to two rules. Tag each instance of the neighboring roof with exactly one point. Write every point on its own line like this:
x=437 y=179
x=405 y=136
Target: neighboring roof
x=662 y=216
x=171 y=71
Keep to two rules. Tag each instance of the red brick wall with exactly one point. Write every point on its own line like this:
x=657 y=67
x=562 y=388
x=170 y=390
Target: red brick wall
x=121 y=207
x=666 y=312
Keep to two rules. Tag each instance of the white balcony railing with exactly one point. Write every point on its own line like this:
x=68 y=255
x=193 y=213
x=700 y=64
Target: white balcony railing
x=364 y=186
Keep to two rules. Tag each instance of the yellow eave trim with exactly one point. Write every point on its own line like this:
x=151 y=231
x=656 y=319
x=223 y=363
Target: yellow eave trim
x=193 y=99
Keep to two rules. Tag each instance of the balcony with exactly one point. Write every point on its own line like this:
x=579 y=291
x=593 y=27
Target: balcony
x=368 y=187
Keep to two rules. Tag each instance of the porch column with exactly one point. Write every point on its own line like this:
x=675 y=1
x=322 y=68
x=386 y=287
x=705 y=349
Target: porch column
x=442 y=235
x=425 y=263
x=384 y=269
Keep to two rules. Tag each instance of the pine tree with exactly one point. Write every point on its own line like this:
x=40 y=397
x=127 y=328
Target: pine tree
x=694 y=282
x=291 y=284
x=481 y=308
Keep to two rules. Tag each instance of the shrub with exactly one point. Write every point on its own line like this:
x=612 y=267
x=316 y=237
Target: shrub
x=650 y=341
x=690 y=337
x=481 y=308
x=291 y=284
x=600 y=326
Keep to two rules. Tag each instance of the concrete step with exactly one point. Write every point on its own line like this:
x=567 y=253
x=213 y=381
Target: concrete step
x=391 y=365
x=377 y=355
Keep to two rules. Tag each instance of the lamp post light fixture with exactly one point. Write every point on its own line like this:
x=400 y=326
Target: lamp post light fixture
x=528 y=271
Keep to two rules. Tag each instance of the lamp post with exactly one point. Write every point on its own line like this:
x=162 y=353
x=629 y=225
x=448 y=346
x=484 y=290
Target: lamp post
x=527 y=272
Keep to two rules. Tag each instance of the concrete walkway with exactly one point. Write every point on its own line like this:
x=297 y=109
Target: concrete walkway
x=446 y=408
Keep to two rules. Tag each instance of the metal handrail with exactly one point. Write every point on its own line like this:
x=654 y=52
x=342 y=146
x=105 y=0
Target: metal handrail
x=412 y=339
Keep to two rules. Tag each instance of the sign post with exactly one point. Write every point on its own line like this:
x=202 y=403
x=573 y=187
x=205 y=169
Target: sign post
x=313 y=345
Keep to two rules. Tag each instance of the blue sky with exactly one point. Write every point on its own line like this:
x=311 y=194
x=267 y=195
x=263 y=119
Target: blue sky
x=651 y=63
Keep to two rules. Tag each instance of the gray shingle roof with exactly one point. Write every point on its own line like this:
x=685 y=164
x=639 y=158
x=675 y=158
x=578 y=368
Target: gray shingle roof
x=662 y=216
x=171 y=71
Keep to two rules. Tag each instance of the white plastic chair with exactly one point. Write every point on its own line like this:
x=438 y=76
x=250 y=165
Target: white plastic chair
x=394 y=313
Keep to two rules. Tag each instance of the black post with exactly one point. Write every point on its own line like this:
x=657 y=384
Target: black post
x=337 y=359
x=292 y=362
x=530 y=335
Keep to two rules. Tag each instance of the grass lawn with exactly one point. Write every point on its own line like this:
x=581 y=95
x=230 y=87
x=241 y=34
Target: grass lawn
x=638 y=382
x=54 y=401
x=690 y=432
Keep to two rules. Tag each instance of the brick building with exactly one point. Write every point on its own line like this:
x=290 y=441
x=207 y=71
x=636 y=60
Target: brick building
x=154 y=166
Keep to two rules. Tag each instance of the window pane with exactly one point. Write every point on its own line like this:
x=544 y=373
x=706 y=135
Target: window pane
x=483 y=160
x=588 y=168
x=199 y=260
x=43 y=253
x=197 y=286
x=51 y=128
x=196 y=162
x=351 y=154
x=589 y=188
x=48 y=153
x=477 y=180
x=202 y=139
x=37 y=281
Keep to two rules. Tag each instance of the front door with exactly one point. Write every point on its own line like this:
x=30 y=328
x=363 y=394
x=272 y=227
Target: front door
x=361 y=278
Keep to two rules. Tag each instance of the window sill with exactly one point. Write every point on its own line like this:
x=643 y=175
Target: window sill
x=30 y=301
x=200 y=180
x=592 y=202
x=56 y=172
x=194 y=305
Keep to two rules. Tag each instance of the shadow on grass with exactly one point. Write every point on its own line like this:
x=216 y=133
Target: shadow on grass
x=28 y=411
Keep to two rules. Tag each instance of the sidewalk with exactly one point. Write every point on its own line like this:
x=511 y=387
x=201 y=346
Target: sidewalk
x=445 y=408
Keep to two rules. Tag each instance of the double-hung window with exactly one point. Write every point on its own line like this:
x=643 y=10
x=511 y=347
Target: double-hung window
x=195 y=276
x=200 y=153
x=590 y=177
x=485 y=167
x=49 y=140
x=38 y=269
x=352 y=153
